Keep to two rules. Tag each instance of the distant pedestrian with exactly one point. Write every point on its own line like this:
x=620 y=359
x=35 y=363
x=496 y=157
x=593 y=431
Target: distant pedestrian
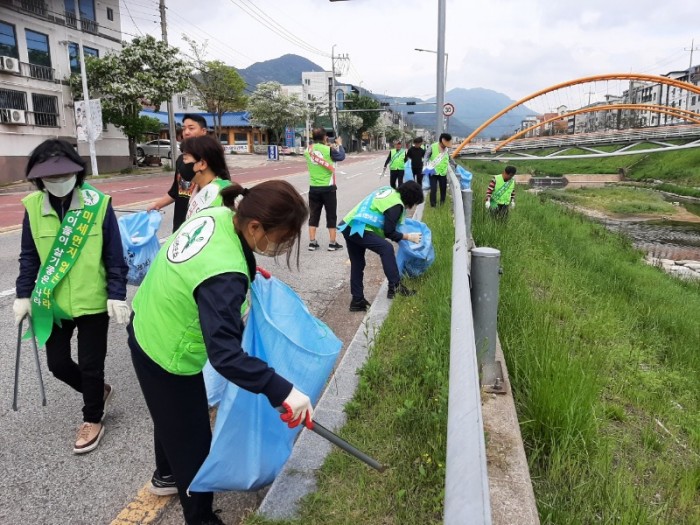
x=321 y=159
x=368 y=226
x=72 y=275
x=415 y=154
x=203 y=160
x=500 y=195
x=396 y=162
x=193 y=125
x=437 y=160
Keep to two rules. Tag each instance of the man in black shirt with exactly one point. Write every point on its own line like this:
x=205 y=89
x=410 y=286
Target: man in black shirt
x=416 y=153
x=193 y=125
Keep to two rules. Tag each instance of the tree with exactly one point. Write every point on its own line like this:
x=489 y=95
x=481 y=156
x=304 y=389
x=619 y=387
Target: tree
x=370 y=117
x=216 y=87
x=146 y=72
x=273 y=109
x=350 y=123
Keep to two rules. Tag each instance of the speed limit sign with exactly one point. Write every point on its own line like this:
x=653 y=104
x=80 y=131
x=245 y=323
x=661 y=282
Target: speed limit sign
x=448 y=109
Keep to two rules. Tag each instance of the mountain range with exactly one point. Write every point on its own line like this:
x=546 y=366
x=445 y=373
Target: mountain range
x=473 y=106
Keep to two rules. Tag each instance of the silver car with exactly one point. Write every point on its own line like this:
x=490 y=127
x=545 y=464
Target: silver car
x=159 y=148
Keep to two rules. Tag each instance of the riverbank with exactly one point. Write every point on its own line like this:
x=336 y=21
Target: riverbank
x=603 y=364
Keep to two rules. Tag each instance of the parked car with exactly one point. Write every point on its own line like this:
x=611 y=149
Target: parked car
x=159 y=148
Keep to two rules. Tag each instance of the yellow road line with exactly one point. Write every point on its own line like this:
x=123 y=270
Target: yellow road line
x=144 y=509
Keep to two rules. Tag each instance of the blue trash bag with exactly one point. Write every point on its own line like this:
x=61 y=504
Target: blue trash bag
x=414 y=259
x=465 y=178
x=426 y=181
x=215 y=384
x=139 y=233
x=407 y=172
x=250 y=443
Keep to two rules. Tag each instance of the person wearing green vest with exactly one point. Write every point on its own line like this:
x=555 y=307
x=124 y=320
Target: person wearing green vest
x=437 y=159
x=396 y=162
x=321 y=159
x=368 y=226
x=188 y=310
x=500 y=195
x=72 y=275
x=204 y=164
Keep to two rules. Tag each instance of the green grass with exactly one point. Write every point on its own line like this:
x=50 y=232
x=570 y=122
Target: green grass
x=679 y=190
x=399 y=413
x=602 y=350
x=620 y=200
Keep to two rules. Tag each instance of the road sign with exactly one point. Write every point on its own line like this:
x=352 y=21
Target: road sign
x=448 y=109
x=289 y=137
x=272 y=153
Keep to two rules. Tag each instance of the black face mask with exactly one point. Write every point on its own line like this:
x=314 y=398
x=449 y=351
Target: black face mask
x=187 y=171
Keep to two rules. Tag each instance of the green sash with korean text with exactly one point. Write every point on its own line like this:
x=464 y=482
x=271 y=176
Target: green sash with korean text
x=66 y=248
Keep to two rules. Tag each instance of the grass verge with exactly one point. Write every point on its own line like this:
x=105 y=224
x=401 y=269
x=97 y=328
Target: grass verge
x=620 y=200
x=603 y=353
x=399 y=413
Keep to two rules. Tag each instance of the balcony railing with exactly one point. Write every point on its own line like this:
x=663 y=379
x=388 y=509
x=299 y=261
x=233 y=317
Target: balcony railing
x=89 y=26
x=43 y=120
x=37 y=7
x=37 y=71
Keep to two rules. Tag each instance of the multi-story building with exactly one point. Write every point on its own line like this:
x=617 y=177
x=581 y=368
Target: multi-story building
x=38 y=52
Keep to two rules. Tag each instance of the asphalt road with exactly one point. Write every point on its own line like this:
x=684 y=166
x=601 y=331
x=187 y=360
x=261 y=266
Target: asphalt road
x=41 y=481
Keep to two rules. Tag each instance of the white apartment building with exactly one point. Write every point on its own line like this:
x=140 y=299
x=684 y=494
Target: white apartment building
x=38 y=52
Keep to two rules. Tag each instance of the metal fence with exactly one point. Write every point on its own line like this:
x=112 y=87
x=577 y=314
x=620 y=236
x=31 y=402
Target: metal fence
x=466 y=481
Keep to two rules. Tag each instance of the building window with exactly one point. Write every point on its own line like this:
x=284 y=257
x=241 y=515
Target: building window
x=45 y=110
x=182 y=101
x=38 y=48
x=88 y=19
x=240 y=138
x=11 y=99
x=110 y=14
x=8 y=41
x=74 y=55
x=692 y=101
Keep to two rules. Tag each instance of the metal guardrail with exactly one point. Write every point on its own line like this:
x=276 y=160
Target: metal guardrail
x=466 y=481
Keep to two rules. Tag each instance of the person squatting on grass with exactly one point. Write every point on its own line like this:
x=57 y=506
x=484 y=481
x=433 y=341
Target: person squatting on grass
x=368 y=226
x=189 y=309
x=500 y=195
x=72 y=275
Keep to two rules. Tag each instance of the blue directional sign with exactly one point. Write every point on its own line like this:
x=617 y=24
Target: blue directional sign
x=273 y=153
x=289 y=137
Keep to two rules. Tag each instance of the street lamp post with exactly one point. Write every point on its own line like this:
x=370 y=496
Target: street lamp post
x=439 y=103
x=440 y=99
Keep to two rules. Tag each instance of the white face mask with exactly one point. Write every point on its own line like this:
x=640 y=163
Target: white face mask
x=60 y=186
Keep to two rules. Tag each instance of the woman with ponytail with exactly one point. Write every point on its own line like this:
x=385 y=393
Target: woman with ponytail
x=188 y=310
x=204 y=166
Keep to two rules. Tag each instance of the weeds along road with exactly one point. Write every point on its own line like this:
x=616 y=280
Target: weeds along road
x=42 y=482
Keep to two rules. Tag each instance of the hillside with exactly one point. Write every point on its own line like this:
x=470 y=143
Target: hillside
x=286 y=69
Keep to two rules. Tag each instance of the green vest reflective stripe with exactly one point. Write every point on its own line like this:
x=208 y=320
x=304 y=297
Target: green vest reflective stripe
x=503 y=190
x=440 y=167
x=382 y=200
x=166 y=318
x=398 y=161
x=319 y=175
x=83 y=291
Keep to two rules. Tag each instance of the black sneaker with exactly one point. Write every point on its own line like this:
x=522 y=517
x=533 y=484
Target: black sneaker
x=399 y=289
x=359 y=306
x=313 y=246
x=334 y=246
x=162 y=485
x=214 y=519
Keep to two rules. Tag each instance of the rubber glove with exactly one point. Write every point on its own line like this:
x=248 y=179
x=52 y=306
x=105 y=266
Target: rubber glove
x=488 y=204
x=414 y=237
x=429 y=171
x=298 y=409
x=512 y=205
x=383 y=173
x=21 y=308
x=118 y=310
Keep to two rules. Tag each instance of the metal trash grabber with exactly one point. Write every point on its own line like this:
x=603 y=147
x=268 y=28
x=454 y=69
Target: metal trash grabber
x=341 y=443
x=38 y=367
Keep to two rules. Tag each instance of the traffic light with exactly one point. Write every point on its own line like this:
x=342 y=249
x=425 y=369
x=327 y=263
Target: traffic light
x=413 y=103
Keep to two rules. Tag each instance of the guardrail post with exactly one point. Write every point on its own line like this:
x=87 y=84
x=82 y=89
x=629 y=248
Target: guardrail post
x=485 y=272
x=467 y=205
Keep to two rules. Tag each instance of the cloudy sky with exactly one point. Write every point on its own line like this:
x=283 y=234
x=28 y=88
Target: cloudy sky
x=512 y=46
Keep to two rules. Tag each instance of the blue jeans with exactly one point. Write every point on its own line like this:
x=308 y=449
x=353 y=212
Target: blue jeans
x=357 y=246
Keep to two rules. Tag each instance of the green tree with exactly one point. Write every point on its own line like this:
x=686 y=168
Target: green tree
x=350 y=123
x=146 y=72
x=273 y=109
x=370 y=117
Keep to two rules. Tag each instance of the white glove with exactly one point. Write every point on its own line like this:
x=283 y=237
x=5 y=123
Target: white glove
x=297 y=409
x=21 y=309
x=512 y=205
x=488 y=204
x=414 y=237
x=119 y=310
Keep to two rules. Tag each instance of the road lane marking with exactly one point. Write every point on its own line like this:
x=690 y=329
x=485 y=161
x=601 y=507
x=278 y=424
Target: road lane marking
x=353 y=176
x=11 y=291
x=144 y=509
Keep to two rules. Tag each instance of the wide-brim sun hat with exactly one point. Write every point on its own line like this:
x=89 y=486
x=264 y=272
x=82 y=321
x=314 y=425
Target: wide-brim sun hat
x=58 y=165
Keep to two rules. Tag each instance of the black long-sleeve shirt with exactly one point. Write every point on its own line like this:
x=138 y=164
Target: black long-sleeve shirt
x=112 y=253
x=391 y=219
x=415 y=154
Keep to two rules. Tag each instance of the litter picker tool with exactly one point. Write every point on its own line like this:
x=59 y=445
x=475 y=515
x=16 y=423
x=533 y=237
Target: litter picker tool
x=38 y=367
x=341 y=443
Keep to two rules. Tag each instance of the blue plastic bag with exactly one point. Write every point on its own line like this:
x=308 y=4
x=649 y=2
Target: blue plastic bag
x=250 y=444
x=465 y=178
x=407 y=172
x=139 y=233
x=426 y=182
x=414 y=259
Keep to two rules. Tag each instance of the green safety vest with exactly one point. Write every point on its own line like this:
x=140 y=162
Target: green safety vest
x=441 y=167
x=381 y=200
x=503 y=190
x=320 y=175
x=208 y=197
x=166 y=317
x=83 y=290
x=398 y=159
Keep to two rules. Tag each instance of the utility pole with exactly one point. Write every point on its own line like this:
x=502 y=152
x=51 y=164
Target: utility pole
x=690 y=67
x=331 y=94
x=440 y=95
x=171 y=117
x=86 y=96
